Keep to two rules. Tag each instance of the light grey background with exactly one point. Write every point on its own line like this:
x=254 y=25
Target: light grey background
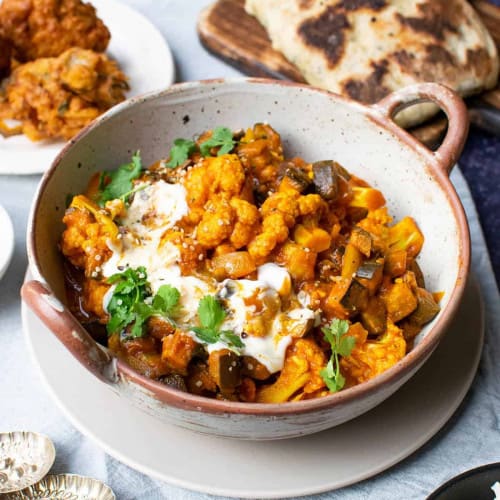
x=471 y=438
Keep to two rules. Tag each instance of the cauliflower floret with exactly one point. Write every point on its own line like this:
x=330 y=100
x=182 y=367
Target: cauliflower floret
x=303 y=362
x=229 y=174
x=247 y=219
x=312 y=204
x=197 y=183
x=84 y=241
x=376 y=223
x=373 y=357
x=274 y=231
x=217 y=223
x=285 y=203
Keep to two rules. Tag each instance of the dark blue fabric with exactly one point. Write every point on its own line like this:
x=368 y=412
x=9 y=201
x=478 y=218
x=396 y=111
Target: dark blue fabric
x=480 y=164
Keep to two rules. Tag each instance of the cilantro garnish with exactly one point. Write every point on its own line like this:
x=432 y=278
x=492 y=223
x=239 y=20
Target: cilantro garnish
x=341 y=345
x=128 y=307
x=221 y=136
x=181 y=151
x=131 y=289
x=184 y=148
x=118 y=184
x=166 y=300
x=211 y=315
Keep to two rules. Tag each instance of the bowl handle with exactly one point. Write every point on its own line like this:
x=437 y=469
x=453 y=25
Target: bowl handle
x=69 y=331
x=449 y=101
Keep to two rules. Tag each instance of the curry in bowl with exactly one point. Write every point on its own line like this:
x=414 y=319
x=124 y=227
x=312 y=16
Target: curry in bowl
x=229 y=271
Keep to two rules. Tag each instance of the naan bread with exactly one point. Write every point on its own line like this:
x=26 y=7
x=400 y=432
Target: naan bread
x=365 y=49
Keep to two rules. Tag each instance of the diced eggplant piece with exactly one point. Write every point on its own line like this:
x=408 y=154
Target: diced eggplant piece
x=295 y=176
x=368 y=269
x=175 y=381
x=374 y=316
x=419 y=275
x=356 y=297
x=410 y=331
x=326 y=179
x=395 y=263
x=250 y=367
x=370 y=274
x=355 y=214
x=199 y=380
x=362 y=240
x=426 y=309
x=224 y=367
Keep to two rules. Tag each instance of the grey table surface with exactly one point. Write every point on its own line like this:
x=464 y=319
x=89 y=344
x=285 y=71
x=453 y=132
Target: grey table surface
x=471 y=438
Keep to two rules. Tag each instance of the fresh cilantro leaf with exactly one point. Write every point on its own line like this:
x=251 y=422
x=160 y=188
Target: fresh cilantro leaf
x=206 y=334
x=181 y=151
x=118 y=184
x=166 y=299
x=341 y=345
x=211 y=315
x=210 y=312
x=131 y=288
x=346 y=345
x=231 y=339
x=127 y=307
x=221 y=136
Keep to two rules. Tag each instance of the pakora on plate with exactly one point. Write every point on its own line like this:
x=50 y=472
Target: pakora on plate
x=56 y=97
x=47 y=28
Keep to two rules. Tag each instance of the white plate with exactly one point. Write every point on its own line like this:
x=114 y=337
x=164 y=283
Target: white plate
x=7 y=244
x=143 y=55
x=276 y=469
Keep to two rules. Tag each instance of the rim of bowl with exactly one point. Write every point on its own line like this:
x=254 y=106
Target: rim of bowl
x=401 y=369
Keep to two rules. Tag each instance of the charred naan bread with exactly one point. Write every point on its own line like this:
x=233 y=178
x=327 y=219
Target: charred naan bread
x=365 y=49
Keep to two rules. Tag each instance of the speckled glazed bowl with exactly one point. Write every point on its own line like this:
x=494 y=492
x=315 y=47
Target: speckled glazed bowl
x=315 y=125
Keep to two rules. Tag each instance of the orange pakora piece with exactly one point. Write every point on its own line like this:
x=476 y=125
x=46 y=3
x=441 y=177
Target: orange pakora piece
x=46 y=28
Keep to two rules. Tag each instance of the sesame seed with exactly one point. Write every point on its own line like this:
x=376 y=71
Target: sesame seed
x=200 y=257
x=119 y=302
x=250 y=366
x=97 y=257
x=220 y=222
x=198 y=383
x=184 y=245
x=233 y=363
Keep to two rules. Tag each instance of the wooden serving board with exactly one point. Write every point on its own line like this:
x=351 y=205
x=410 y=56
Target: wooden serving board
x=227 y=31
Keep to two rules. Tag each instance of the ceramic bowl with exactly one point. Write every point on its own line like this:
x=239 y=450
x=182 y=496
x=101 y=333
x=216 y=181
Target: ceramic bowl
x=314 y=124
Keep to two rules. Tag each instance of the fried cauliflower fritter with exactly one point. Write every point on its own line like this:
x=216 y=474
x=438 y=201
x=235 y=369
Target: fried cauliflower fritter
x=57 y=97
x=5 y=52
x=47 y=28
